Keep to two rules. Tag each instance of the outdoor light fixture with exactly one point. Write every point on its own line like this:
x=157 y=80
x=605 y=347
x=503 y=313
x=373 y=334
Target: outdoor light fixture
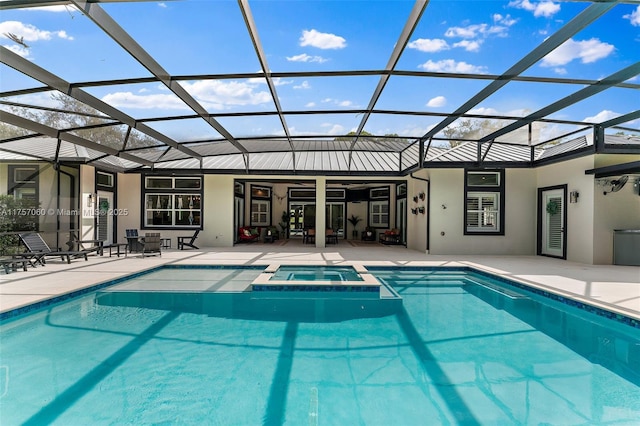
x=573 y=196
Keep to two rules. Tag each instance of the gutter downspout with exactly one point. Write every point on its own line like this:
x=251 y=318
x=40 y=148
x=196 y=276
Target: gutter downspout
x=428 y=204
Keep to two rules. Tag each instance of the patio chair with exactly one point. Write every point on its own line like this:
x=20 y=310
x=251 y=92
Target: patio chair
x=188 y=241
x=133 y=240
x=309 y=236
x=38 y=250
x=248 y=234
x=151 y=244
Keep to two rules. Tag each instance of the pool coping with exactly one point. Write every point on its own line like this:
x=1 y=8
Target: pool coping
x=566 y=298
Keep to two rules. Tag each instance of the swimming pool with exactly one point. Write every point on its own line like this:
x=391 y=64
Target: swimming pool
x=463 y=348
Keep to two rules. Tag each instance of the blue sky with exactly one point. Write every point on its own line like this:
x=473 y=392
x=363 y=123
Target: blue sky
x=210 y=37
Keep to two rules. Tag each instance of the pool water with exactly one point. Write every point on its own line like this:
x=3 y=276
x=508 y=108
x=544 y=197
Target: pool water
x=316 y=273
x=457 y=351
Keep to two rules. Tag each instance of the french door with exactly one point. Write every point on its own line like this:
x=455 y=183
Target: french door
x=105 y=217
x=552 y=216
x=302 y=215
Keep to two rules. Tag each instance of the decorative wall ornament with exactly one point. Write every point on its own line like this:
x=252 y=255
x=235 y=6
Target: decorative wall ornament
x=421 y=196
x=553 y=207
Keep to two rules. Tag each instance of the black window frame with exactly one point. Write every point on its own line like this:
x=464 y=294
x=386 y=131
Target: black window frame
x=478 y=189
x=171 y=192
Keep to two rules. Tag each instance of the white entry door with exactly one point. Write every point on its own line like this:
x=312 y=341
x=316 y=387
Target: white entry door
x=553 y=226
x=105 y=217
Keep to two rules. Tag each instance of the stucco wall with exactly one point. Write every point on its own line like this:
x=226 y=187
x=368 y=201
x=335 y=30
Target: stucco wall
x=217 y=212
x=417 y=224
x=617 y=210
x=447 y=215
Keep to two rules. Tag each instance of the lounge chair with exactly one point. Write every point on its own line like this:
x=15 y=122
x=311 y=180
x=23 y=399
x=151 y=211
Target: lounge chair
x=38 y=250
x=151 y=244
x=248 y=234
x=188 y=241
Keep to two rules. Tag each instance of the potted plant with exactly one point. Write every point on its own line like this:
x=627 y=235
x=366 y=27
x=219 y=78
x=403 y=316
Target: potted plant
x=354 y=220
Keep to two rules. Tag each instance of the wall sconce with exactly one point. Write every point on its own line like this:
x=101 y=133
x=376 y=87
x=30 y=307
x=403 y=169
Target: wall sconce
x=421 y=196
x=444 y=207
x=415 y=198
x=91 y=199
x=573 y=196
x=414 y=211
x=421 y=209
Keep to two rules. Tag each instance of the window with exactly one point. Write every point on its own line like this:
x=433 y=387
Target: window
x=379 y=193
x=298 y=193
x=483 y=179
x=482 y=211
x=25 y=174
x=484 y=201
x=238 y=188
x=335 y=194
x=260 y=213
x=173 y=202
x=260 y=192
x=104 y=179
x=401 y=190
x=379 y=213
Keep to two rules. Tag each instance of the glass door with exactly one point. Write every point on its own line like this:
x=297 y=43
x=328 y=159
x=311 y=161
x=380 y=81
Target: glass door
x=302 y=216
x=552 y=212
x=105 y=217
x=335 y=218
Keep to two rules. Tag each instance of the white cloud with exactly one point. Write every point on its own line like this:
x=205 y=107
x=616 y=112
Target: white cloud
x=220 y=95
x=470 y=31
x=212 y=94
x=130 y=100
x=450 y=65
x=437 y=102
x=520 y=112
x=603 y=115
x=469 y=45
x=334 y=129
x=304 y=85
x=337 y=102
x=29 y=33
x=482 y=31
x=428 y=45
x=587 y=51
x=19 y=50
x=543 y=8
x=504 y=20
x=310 y=105
x=277 y=81
x=634 y=17
x=306 y=58
x=280 y=82
x=322 y=40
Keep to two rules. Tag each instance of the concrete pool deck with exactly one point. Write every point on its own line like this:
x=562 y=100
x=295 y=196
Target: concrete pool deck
x=614 y=288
